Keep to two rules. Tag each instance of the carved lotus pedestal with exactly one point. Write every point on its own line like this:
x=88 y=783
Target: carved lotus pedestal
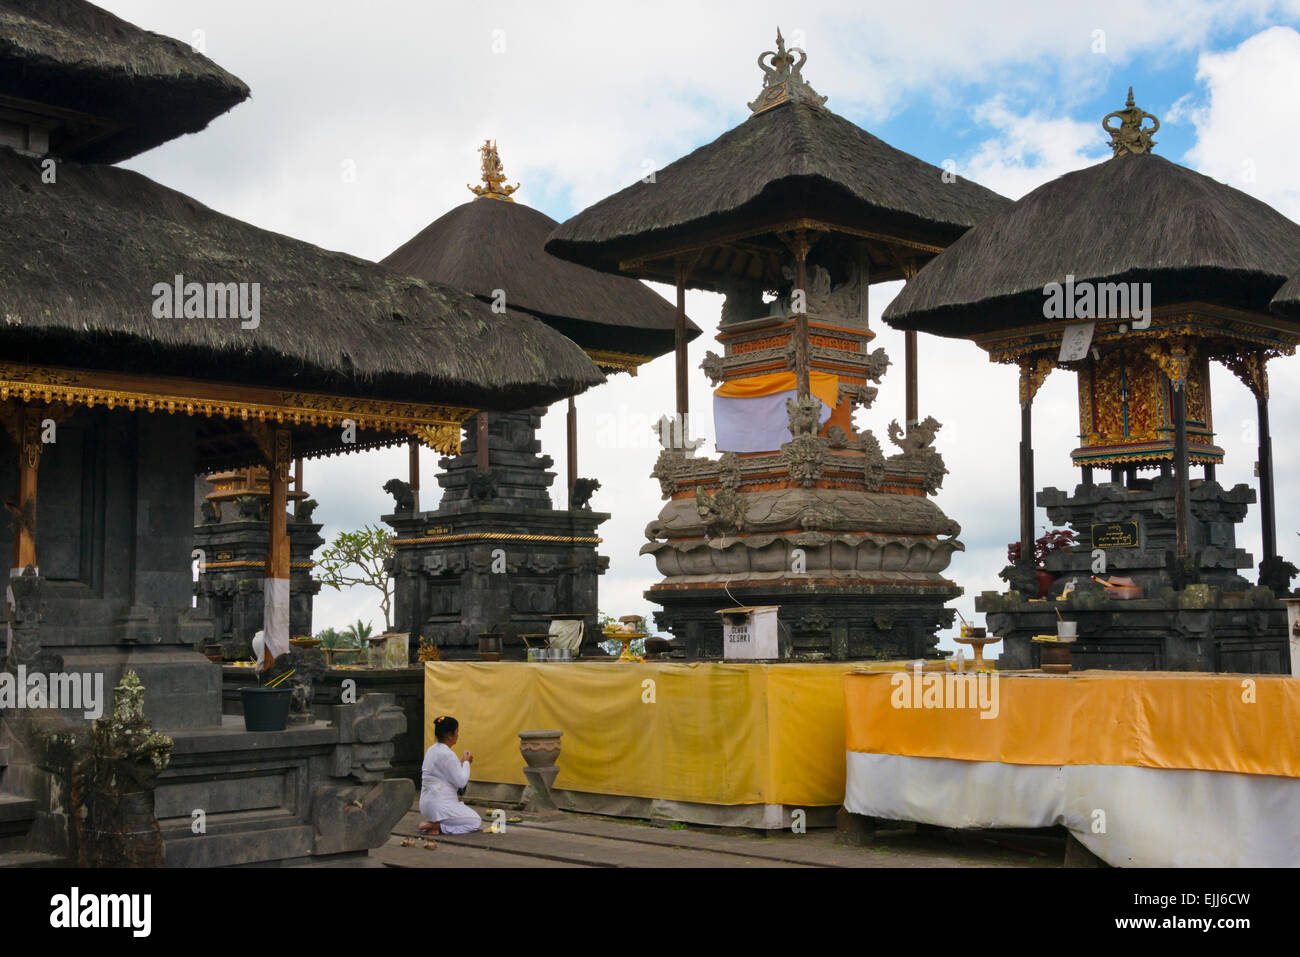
x=856 y=570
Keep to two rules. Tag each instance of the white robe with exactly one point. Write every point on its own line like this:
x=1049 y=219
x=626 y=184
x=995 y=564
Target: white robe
x=441 y=777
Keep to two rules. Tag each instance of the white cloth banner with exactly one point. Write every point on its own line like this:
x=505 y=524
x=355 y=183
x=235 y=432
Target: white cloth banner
x=1127 y=816
x=760 y=424
x=275 y=619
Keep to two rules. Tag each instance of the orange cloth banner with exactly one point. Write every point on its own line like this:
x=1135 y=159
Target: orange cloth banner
x=1248 y=724
x=824 y=385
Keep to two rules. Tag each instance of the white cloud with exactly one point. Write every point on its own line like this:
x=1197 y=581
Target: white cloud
x=1247 y=132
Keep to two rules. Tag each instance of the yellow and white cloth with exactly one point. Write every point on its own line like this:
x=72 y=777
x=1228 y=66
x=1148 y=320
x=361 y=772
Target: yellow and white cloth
x=1146 y=769
x=750 y=414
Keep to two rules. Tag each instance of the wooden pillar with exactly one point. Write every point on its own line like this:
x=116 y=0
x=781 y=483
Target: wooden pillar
x=1027 y=483
x=26 y=433
x=1209 y=471
x=679 y=340
x=275 y=618
x=1182 y=480
x=1117 y=474
x=413 y=471
x=1087 y=475
x=571 y=428
x=297 y=484
x=1267 y=514
x=801 y=361
x=909 y=341
x=481 y=442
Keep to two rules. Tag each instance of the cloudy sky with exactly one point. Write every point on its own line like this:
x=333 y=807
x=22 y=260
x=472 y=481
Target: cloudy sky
x=583 y=98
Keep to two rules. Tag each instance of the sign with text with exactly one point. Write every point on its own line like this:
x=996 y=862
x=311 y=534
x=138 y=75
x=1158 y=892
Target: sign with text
x=1115 y=535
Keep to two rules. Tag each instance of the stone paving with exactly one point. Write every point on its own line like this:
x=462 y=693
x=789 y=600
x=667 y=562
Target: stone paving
x=582 y=840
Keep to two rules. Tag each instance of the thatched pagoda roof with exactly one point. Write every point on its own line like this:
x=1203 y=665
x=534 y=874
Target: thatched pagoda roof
x=76 y=57
x=1287 y=301
x=1133 y=218
x=489 y=244
x=796 y=159
x=80 y=258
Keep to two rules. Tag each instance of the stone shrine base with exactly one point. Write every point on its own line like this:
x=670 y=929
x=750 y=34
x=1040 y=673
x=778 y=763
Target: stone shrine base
x=1201 y=628
x=838 y=620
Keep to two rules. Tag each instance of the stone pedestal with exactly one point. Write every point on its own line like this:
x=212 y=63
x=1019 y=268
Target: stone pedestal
x=494 y=556
x=1195 y=615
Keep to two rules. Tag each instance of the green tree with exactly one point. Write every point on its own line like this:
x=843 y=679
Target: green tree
x=360 y=558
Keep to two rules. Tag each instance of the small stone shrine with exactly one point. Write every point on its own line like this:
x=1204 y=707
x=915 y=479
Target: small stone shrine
x=233 y=538
x=496 y=557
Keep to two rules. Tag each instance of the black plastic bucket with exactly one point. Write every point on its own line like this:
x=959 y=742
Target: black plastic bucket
x=266 y=709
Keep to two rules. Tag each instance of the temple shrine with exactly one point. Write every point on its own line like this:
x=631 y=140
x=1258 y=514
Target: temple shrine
x=495 y=557
x=1160 y=302
x=208 y=315
x=793 y=215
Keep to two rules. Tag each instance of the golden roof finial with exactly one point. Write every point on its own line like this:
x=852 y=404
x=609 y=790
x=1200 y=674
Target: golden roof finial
x=1130 y=136
x=494 y=177
x=782 y=79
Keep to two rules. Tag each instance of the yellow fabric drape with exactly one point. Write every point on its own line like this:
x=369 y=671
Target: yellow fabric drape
x=716 y=733
x=824 y=385
x=1201 y=722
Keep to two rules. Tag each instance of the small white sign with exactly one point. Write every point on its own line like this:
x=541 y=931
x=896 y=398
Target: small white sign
x=1075 y=341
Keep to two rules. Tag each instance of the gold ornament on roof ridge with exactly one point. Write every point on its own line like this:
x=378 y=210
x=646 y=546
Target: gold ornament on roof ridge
x=783 y=79
x=494 y=177
x=1130 y=136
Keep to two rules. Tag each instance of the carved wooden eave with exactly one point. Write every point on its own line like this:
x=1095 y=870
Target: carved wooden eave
x=437 y=426
x=611 y=362
x=735 y=252
x=1221 y=331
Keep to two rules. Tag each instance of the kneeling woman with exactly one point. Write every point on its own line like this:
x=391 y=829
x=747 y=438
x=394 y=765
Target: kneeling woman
x=441 y=777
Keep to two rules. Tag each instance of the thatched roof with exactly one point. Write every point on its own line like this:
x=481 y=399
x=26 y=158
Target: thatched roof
x=490 y=244
x=75 y=56
x=1287 y=301
x=79 y=259
x=1132 y=218
x=796 y=159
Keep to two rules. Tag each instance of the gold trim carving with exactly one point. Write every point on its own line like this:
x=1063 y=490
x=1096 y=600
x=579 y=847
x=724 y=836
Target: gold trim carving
x=1251 y=368
x=611 y=362
x=1032 y=376
x=246 y=403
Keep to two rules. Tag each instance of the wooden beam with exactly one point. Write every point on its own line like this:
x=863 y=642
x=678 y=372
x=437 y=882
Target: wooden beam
x=679 y=339
x=571 y=429
x=413 y=471
x=1027 y=483
x=1267 y=514
x=275 y=618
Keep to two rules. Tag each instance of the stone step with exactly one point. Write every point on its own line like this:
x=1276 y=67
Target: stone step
x=237 y=847
x=30 y=859
x=16 y=817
